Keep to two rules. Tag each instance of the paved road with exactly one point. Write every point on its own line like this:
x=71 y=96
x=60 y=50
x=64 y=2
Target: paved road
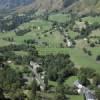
x=37 y=76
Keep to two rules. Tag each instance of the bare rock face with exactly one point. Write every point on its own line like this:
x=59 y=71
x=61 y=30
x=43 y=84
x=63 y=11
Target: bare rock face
x=37 y=4
x=86 y=6
x=50 y=5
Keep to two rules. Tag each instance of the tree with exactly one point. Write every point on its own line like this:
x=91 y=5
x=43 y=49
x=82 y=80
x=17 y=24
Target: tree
x=1 y=94
x=88 y=72
x=97 y=92
x=89 y=53
x=98 y=58
x=18 y=95
x=34 y=89
x=85 y=74
x=92 y=45
x=46 y=81
x=85 y=50
x=2 y=58
x=60 y=92
x=96 y=79
x=39 y=70
x=9 y=81
x=83 y=80
x=55 y=65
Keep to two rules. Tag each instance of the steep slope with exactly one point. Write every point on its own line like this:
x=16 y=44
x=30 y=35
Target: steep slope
x=50 y=5
x=44 y=5
x=87 y=6
x=83 y=6
x=53 y=4
x=7 y=4
x=35 y=4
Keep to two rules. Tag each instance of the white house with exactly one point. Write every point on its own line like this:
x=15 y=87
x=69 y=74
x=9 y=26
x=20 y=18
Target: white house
x=69 y=43
x=9 y=62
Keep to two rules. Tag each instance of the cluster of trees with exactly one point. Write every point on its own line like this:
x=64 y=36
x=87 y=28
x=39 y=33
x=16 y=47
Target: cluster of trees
x=31 y=41
x=58 y=67
x=10 y=82
x=84 y=32
x=87 y=51
x=61 y=92
x=92 y=13
x=85 y=77
x=9 y=54
x=85 y=74
x=97 y=92
x=90 y=54
x=18 y=48
x=14 y=21
x=35 y=42
x=98 y=58
x=21 y=32
x=10 y=39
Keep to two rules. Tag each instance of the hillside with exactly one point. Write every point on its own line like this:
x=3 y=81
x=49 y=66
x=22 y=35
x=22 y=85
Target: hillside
x=51 y=5
x=49 y=49
x=44 y=4
x=8 y=4
x=41 y=5
x=87 y=6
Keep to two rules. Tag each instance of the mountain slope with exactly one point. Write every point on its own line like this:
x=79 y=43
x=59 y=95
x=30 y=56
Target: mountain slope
x=47 y=5
x=80 y=6
x=7 y=4
x=36 y=4
x=87 y=6
x=50 y=5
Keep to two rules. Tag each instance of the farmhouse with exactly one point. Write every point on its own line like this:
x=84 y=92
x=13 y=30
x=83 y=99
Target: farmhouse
x=69 y=43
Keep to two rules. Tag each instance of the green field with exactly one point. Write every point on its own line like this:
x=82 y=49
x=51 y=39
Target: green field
x=70 y=81
x=18 y=68
x=71 y=97
x=95 y=51
x=22 y=53
x=76 y=97
x=92 y=20
x=72 y=34
x=77 y=55
x=3 y=43
x=95 y=33
x=38 y=34
x=61 y=18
